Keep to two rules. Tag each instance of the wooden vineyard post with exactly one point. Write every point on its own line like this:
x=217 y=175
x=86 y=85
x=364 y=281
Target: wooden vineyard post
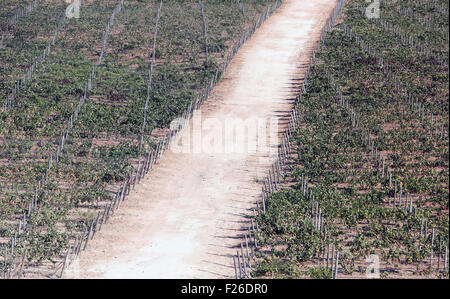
x=248 y=254
x=336 y=266
x=235 y=269
x=328 y=254
x=332 y=260
x=439 y=255
x=95 y=225
x=264 y=201
x=103 y=218
x=74 y=249
x=446 y=259
x=243 y=261
x=239 y=263
x=5 y=262
x=432 y=250
x=251 y=245
x=64 y=263
x=88 y=235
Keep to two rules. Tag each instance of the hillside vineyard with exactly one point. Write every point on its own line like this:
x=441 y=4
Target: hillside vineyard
x=93 y=93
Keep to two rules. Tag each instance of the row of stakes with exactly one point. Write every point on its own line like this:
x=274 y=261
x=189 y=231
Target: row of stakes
x=148 y=161
x=427 y=4
x=276 y=172
x=398 y=195
x=241 y=8
x=205 y=36
x=152 y=157
x=150 y=76
x=14 y=97
x=55 y=158
x=414 y=104
x=405 y=37
x=227 y=61
x=417 y=17
x=383 y=170
x=20 y=13
x=242 y=261
x=386 y=67
x=33 y=204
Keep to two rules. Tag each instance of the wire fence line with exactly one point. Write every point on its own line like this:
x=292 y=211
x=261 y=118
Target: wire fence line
x=13 y=96
x=241 y=8
x=150 y=158
x=54 y=158
x=150 y=74
x=407 y=38
x=439 y=7
x=425 y=113
x=277 y=174
x=145 y=164
x=427 y=22
x=17 y=17
x=205 y=35
x=244 y=259
x=381 y=164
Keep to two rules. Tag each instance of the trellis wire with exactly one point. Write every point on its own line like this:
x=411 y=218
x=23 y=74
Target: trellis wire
x=149 y=159
x=204 y=31
x=427 y=22
x=19 y=15
x=270 y=185
x=54 y=159
x=397 y=199
x=405 y=38
x=241 y=8
x=13 y=97
x=276 y=173
x=150 y=74
x=413 y=103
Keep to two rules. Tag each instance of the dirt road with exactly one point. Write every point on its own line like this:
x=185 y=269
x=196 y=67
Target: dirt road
x=185 y=218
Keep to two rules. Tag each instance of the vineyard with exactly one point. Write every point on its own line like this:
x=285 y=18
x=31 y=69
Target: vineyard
x=361 y=176
x=363 y=170
x=87 y=104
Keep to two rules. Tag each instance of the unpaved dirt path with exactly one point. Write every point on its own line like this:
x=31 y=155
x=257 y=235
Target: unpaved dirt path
x=185 y=218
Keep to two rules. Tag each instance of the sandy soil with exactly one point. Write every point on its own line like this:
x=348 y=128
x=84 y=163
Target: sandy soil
x=186 y=217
